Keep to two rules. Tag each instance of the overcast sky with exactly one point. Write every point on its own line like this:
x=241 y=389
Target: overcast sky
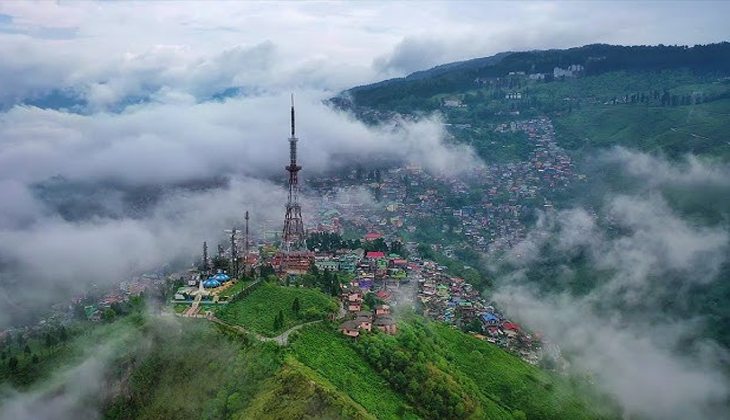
x=329 y=45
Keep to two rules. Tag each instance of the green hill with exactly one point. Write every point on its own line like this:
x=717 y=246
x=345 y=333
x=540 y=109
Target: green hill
x=257 y=311
x=178 y=368
x=668 y=99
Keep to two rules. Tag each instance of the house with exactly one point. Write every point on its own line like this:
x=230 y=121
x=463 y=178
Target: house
x=385 y=324
x=490 y=319
x=382 y=310
x=375 y=255
x=365 y=323
x=354 y=306
x=327 y=265
x=350 y=328
x=383 y=295
x=371 y=236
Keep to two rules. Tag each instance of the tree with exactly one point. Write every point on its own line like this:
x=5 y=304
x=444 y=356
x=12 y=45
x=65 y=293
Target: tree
x=63 y=335
x=13 y=363
x=108 y=315
x=34 y=359
x=26 y=350
x=295 y=306
x=279 y=321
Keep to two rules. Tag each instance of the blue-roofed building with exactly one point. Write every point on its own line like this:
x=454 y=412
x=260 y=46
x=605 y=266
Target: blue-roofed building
x=211 y=283
x=490 y=319
x=220 y=277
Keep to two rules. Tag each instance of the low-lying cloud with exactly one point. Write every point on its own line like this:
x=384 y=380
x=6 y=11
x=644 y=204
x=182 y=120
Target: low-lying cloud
x=642 y=254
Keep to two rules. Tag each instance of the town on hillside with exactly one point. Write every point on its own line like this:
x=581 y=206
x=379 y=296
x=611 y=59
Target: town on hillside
x=373 y=251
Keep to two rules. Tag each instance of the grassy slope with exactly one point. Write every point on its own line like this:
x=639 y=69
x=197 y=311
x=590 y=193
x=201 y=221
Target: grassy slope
x=503 y=377
x=258 y=310
x=504 y=385
x=192 y=370
x=297 y=392
x=325 y=351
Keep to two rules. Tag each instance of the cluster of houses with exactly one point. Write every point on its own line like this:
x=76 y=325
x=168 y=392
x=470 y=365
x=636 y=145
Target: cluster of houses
x=495 y=197
x=452 y=300
x=380 y=319
x=352 y=300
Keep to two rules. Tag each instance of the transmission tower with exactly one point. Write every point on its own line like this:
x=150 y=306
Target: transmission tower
x=293 y=236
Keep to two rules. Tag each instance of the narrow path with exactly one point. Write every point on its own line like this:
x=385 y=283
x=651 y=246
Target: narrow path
x=281 y=339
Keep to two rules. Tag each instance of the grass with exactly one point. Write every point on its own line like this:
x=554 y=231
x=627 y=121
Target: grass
x=258 y=310
x=298 y=392
x=500 y=376
x=236 y=288
x=342 y=366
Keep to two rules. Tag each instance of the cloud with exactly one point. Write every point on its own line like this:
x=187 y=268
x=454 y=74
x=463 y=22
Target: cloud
x=62 y=241
x=632 y=255
x=77 y=391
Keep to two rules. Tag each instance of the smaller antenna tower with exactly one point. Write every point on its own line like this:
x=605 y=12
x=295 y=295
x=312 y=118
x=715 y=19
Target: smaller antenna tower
x=234 y=254
x=206 y=262
x=247 y=239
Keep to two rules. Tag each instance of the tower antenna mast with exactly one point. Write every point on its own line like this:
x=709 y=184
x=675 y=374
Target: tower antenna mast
x=293 y=236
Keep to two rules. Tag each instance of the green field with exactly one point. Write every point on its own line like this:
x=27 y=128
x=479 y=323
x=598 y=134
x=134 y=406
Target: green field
x=257 y=311
x=342 y=366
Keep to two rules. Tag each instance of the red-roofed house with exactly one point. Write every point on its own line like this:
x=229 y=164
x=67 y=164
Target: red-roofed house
x=371 y=236
x=511 y=326
x=374 y=255
x=384 y=295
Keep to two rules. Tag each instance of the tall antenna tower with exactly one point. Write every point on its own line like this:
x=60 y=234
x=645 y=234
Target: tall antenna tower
x=293 y=235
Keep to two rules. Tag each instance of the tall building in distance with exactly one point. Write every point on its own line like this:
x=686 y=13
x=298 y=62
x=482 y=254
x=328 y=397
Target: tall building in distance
x=293 y=238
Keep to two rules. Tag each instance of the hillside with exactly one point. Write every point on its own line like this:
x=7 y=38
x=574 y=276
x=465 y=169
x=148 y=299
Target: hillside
x=258 y=311
x=597 y=95
x=177 y=368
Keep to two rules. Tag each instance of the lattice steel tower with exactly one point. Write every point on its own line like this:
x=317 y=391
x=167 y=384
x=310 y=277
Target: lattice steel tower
x=293 y=237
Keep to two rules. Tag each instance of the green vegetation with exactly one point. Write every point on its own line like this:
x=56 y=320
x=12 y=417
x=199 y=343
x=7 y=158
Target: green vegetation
x=297 y=392
x=502 y=377
x=447 y=374
x=236 y=288
x=56 y=349
x=342 y=366
x=431 y=370
x=699 y=129
x=259 y=310
x=192 y=370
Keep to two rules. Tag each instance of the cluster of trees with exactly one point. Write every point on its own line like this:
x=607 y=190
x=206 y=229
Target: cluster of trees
x=413 y=366
x=379 y=245
x=21 y=353
x=328 y=282
x=330 y=242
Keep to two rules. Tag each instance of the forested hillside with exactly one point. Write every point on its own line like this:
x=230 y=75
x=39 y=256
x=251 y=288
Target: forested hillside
x=671 y=99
